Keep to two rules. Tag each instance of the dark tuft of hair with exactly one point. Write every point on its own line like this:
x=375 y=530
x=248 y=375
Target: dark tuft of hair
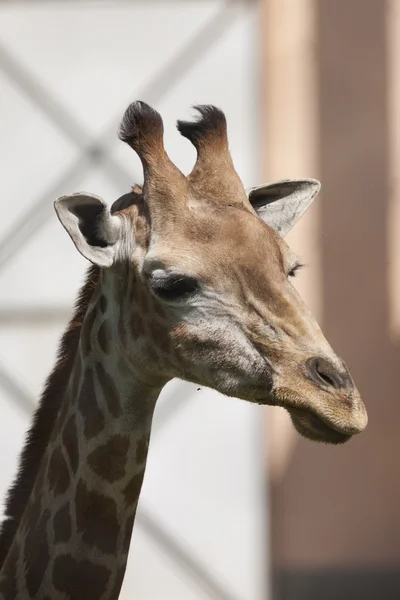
x=44 y=419
x=140 y=124
x=127 y=200
x=210 y=123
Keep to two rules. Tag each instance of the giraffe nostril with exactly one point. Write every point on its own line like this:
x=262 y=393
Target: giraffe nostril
x=323 y=372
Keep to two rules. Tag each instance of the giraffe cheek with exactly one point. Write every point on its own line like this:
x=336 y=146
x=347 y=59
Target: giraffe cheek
x=182 y=338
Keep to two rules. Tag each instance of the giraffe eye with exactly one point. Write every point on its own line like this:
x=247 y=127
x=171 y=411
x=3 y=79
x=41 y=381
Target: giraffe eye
x=174 y=287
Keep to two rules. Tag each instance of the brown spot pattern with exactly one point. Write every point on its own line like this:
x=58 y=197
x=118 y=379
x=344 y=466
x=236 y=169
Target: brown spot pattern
x=159 y=309
x=108 y=461
x=103 y=304
x=70 y=441
x=64 y=408
x=57 y=474
x=117 y=291
x=103 y=337
x=132 y=489
x=87 y=330
x=79 y=578
x=36 y=553
x=91 y=413
x=122 y=330
x=33 y=511
x=128 y=532
x=96 y=519
x=151 y=353
x=8 y=580
x=119 y=579
x=40 y=480
x=144 y=300
x=123 y=367
x=159 y=335
x=32 y=467
x=62 y=524
x=110 y=391
x=76 y=381
x=137 y=326
x=142 y=449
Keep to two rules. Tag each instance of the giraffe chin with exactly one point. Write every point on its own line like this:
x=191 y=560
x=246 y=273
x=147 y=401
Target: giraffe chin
x=313 y=428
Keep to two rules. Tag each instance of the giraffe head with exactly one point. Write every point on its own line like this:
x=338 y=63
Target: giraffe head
x=211 y=298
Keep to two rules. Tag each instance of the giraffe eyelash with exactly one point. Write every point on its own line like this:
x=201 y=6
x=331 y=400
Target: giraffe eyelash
x=175 y=287
x=293 y=270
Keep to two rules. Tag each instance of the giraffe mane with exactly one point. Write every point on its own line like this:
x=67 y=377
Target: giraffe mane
x=44 y=418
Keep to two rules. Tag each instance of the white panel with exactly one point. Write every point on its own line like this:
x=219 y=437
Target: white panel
x=94 y=59
x=28 y=353
x=224 y=75
x=151 y=575
x=48 y=268
x=12 y=433
x=204 y=478
x=203 y=482
x=33 y=153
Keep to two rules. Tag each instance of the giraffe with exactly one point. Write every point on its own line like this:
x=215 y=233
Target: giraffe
x=190 y=278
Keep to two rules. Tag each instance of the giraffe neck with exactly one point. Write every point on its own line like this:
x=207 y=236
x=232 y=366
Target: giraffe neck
x=74 y=536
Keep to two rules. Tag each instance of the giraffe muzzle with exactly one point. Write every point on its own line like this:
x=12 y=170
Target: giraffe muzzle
x=323 y=401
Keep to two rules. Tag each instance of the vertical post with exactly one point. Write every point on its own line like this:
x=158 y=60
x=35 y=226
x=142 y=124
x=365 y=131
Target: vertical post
x=289 y=148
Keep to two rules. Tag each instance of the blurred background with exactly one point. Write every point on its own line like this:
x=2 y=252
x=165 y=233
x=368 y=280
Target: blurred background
x=235 y=506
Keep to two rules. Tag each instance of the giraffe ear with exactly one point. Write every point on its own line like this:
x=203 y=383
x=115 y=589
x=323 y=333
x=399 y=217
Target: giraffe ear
x=92 y=228
x=281 y=204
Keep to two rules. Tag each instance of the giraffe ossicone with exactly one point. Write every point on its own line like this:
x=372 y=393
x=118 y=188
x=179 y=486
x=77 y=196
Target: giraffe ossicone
x=190 y=278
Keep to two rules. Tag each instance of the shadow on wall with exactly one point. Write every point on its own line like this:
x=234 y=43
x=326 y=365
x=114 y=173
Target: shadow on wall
x=336 y=511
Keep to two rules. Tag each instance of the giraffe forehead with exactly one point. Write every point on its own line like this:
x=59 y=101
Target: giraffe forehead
x=216 y=242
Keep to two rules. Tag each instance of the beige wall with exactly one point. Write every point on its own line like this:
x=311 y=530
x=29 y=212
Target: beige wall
x=332 y=65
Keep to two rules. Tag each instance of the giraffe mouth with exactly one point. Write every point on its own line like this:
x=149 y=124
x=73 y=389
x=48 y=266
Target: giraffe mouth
x=310 y=426
x=332 y=429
